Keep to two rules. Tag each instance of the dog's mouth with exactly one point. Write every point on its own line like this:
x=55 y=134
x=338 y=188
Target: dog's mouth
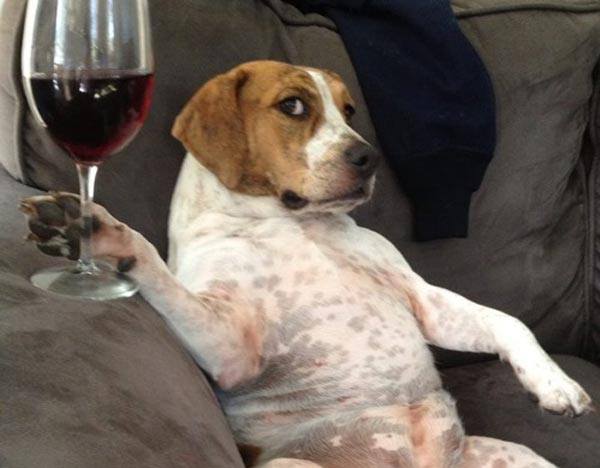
x=293 y=201
x=358 y=194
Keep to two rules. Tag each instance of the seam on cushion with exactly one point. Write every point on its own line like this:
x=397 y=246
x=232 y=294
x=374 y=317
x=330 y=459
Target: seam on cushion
x=487 y=11
x=3 y=85
x=594 y=241
x=10 y=88
x=20 y=105
x=459 y=12
x=587 y=348
x=588 y=255
x=306 y=21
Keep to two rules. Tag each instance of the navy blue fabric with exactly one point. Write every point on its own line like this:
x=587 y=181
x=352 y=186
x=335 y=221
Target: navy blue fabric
x=430 y=98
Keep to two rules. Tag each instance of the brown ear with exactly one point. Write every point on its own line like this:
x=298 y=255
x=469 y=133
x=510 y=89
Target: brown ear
x=211 y=127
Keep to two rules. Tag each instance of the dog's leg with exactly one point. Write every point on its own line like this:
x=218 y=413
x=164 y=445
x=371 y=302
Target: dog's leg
x=219 y=329
x=485 y=452
x=450 y=321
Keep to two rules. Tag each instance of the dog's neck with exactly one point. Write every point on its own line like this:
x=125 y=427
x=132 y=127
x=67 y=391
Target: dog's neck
x=203 y=192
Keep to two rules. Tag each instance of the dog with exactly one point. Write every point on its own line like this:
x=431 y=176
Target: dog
x=314 y=329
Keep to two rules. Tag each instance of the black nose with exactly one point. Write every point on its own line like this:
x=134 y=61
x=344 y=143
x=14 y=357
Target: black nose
x=363 y=158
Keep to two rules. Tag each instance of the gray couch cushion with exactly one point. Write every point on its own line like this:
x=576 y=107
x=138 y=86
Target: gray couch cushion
x=526 y=250
x=491 y=402
x=593 y=155
x=11 y=102
x=87 y=384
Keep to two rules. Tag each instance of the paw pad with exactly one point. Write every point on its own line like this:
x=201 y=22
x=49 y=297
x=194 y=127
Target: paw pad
x=54 y=223
x=56 y=227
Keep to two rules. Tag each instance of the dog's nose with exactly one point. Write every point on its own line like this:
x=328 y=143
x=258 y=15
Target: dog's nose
x=363 y=158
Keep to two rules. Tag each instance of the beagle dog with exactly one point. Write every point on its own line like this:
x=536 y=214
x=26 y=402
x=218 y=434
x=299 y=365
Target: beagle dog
x=314 y=329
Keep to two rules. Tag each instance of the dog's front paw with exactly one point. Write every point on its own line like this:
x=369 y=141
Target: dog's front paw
x=54 y=223
x=560 y=394
x=56 y=227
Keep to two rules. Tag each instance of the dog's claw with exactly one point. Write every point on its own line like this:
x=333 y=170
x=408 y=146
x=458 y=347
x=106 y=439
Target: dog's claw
x=53 y=250
x=26 y=207
x=566 y=398
x=31 y=237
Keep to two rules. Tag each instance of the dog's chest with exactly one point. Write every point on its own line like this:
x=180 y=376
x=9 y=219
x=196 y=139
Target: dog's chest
x=330 y=300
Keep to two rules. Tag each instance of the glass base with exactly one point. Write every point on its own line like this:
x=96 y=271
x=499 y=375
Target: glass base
x=100 y=284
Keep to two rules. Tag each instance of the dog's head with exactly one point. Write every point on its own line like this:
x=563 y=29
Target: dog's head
x=272 y=129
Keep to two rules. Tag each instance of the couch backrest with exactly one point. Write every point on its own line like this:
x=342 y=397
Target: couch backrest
x=529 y=252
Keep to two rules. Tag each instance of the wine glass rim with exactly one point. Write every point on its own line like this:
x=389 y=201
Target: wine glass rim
x=54 y=68
x=85 y=72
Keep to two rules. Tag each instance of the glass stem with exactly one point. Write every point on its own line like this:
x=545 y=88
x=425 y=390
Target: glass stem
x=87 y=181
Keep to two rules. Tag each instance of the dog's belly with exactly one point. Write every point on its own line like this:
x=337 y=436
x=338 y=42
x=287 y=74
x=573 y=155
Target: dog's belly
x=330 y=351
x=338 y=330
x=339 y=337
x=340 y=352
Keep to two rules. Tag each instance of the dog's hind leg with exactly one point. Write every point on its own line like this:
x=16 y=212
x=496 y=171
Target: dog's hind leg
x=485 y=452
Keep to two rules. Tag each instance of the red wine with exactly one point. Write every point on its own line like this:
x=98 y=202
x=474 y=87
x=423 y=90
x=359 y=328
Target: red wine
x=93 y=117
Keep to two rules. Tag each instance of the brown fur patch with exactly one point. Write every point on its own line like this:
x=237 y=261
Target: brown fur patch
x=234 y=127
x=419 y=311
x=212 y=129
x=418 y=433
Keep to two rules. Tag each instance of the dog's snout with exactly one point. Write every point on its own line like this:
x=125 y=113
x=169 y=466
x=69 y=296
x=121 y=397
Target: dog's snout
x=363 y=158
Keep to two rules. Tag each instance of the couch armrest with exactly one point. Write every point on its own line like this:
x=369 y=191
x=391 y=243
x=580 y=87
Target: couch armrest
x=94 y=384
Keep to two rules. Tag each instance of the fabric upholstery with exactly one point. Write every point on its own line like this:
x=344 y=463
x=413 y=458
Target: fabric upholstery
x=467 y=8
x=526 y=253
x=107 y=385
x=11 y=102
x=530 y=202
x=88 y=384
x=491 y=402
x=193 y=42
x=592 y=148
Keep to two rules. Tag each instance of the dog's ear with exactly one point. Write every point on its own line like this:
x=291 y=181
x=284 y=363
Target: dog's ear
x=211 y=127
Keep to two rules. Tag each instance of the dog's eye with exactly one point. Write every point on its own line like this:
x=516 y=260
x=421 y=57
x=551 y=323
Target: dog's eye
x=349 y=111
x=293 y=106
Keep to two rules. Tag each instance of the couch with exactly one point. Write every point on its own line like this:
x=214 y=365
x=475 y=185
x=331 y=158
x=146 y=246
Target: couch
x=106 y=384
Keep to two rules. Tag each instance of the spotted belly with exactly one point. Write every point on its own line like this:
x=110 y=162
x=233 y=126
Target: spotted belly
x=320 y=364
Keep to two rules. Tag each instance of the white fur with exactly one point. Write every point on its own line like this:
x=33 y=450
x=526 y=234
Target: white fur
x=253 y=284
x=334 y=129
x=240 y=267
x=204 y=212
x=388 y=441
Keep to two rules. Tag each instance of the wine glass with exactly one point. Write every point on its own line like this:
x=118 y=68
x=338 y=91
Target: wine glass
x=88 y=74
